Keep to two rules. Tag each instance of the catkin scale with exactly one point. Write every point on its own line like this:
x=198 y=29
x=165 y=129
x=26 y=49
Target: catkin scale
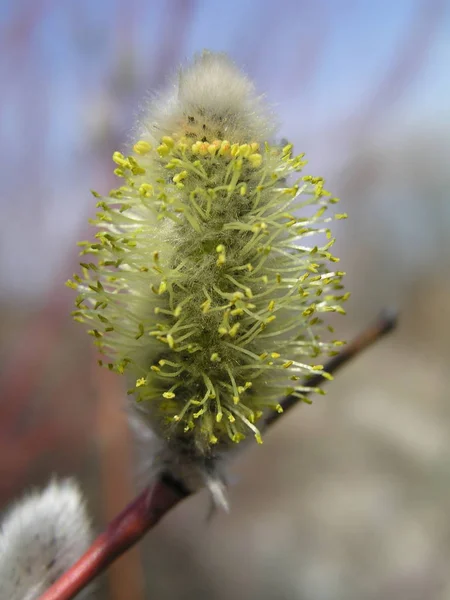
x=203 y=286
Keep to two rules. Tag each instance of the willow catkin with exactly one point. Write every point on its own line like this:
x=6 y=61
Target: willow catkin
x=211 y=268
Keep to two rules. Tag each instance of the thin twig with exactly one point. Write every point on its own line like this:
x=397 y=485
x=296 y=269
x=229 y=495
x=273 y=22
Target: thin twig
x=155 y=501
x=385 y=323
x=121 y=534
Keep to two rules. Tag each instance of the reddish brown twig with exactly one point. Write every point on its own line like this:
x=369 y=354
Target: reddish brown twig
x=155 y=501
x=385 y=323
x=125 y=578
x=122 y=533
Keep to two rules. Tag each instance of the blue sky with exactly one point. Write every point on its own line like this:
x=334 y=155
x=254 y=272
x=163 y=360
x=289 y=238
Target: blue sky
x=349 y=43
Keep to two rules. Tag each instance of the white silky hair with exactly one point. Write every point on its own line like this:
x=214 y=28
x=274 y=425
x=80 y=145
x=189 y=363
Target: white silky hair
x=212 y=99
x=155 y=457
x=41 y=536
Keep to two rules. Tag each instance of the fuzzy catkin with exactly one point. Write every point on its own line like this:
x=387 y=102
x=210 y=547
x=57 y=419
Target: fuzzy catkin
x=211 y=269
x=40 y=538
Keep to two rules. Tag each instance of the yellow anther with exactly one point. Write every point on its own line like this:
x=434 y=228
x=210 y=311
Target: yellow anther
x=203 y=148
x=255 y=160
x=243 y=189
x=287 y=364
x=180 y=176
x=244 y=150
x=142 y=147
x=275 y=355
x=271 y=305
x=172 y=164
x=155 y=368
x=236 y=399
x=231 y=417
x=287 y=150
x=214 y=147
x=163 y=150
x=221 y=259
x=234 y=149
x=213 y=439
x=254 y=147
x=120 y=159
x=205 y=306
x=258 y=227
x=168 y=141
x=170 y=341
x=146 y=189
x=214 y=357
x=168 y=395
x=137 y=170
x=233 y=331
x=258 y=438
x=224 y=147
x=279 y=408
x=140 y=382
x=219 y=416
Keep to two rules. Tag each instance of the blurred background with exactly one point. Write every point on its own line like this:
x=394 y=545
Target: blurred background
x=348 y=498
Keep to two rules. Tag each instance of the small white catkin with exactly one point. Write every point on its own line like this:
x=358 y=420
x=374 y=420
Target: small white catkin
x=41 y=536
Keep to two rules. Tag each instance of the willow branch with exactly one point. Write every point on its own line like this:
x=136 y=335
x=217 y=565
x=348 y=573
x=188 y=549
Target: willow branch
x=385 y=323
x=154 y=502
